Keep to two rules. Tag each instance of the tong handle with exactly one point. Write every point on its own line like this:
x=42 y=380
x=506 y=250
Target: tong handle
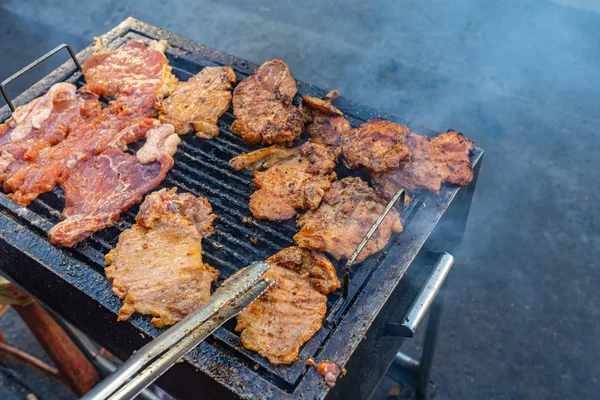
x=31 y=66
x=237 y=285
x=151 y=373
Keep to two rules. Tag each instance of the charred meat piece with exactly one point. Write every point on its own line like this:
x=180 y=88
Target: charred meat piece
x=137 y=74
x=345 y=215
x=103 y=186
x=42 y=123
x=432 y=161
x=291 y=311
x=327 y=124
x=287 y=179
x=156 y=267
x=262 y=104
x=376 y=145
x=198 y=103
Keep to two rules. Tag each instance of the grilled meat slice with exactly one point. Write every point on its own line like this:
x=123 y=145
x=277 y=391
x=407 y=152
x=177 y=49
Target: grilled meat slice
x=278 y=323
x=432 y=161
x=156 y=267
x=159 y=204
x=198 y=103
x=42 y=123
x=103 y=186
x=262 y=104
x=344 y=217
x=137 y=74
x=287 y=179
x=376 y=145
x=327 y=124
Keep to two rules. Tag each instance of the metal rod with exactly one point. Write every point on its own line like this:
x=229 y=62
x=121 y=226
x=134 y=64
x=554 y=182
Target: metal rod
x=337 y=308
x=32 y=65
x=363 y=243
x=166 y=361
x=427 y=295
x=237 y=284
x=9 y=352
x=407 y=363
x=90 y=350
x=429 y=345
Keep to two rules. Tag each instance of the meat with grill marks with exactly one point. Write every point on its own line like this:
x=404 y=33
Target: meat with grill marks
x=262 y=105
x=326 y=124
x=156 y=267
x=288 y=180
x=197 y=104
x=348 y=210
x=376 y=145
x=278 y=323
x=432 y=161
x=103 y=186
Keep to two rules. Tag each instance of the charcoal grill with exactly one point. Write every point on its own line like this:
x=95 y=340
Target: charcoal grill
x=363 y=335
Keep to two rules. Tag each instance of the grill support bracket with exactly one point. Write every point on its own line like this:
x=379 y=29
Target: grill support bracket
x=33 y=65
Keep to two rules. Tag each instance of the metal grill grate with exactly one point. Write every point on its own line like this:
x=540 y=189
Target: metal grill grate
x=201 y=168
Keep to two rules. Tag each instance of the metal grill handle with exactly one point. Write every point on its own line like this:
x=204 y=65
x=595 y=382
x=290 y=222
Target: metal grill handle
x=424 y=299
x=31 y=66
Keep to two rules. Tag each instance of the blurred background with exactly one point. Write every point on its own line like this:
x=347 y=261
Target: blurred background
x=520 y=78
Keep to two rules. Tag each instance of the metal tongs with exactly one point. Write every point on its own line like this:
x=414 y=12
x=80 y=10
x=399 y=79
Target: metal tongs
x=155 y=358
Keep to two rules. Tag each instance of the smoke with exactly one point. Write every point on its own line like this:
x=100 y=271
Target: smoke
x=518 y=77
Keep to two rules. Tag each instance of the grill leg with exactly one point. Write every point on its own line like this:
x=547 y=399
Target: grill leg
x=435 y=314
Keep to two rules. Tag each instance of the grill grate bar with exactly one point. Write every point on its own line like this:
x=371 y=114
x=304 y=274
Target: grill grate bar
x=207 y=178
x=216 y=202
x=228 y=174
x=235 y=149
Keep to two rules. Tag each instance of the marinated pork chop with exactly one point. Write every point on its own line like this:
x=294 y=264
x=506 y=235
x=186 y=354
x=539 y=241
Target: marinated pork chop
x=103 y=186
x=198 y=103
x=262 y=104
x=327 y=124
x=287 y=179
x=376 y=145
x=432 y=161
x=156 y=267
x=278 y=323
x=55 y=164
x=345 y=215
x=137 y=74
x=42 y=123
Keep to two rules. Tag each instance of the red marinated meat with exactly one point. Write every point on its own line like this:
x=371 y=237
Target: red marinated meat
x=138 y=75
x=43 y=123
x=105 y=185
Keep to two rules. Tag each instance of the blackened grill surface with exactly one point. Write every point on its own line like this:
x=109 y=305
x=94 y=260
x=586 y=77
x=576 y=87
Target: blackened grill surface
x=201 y=168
